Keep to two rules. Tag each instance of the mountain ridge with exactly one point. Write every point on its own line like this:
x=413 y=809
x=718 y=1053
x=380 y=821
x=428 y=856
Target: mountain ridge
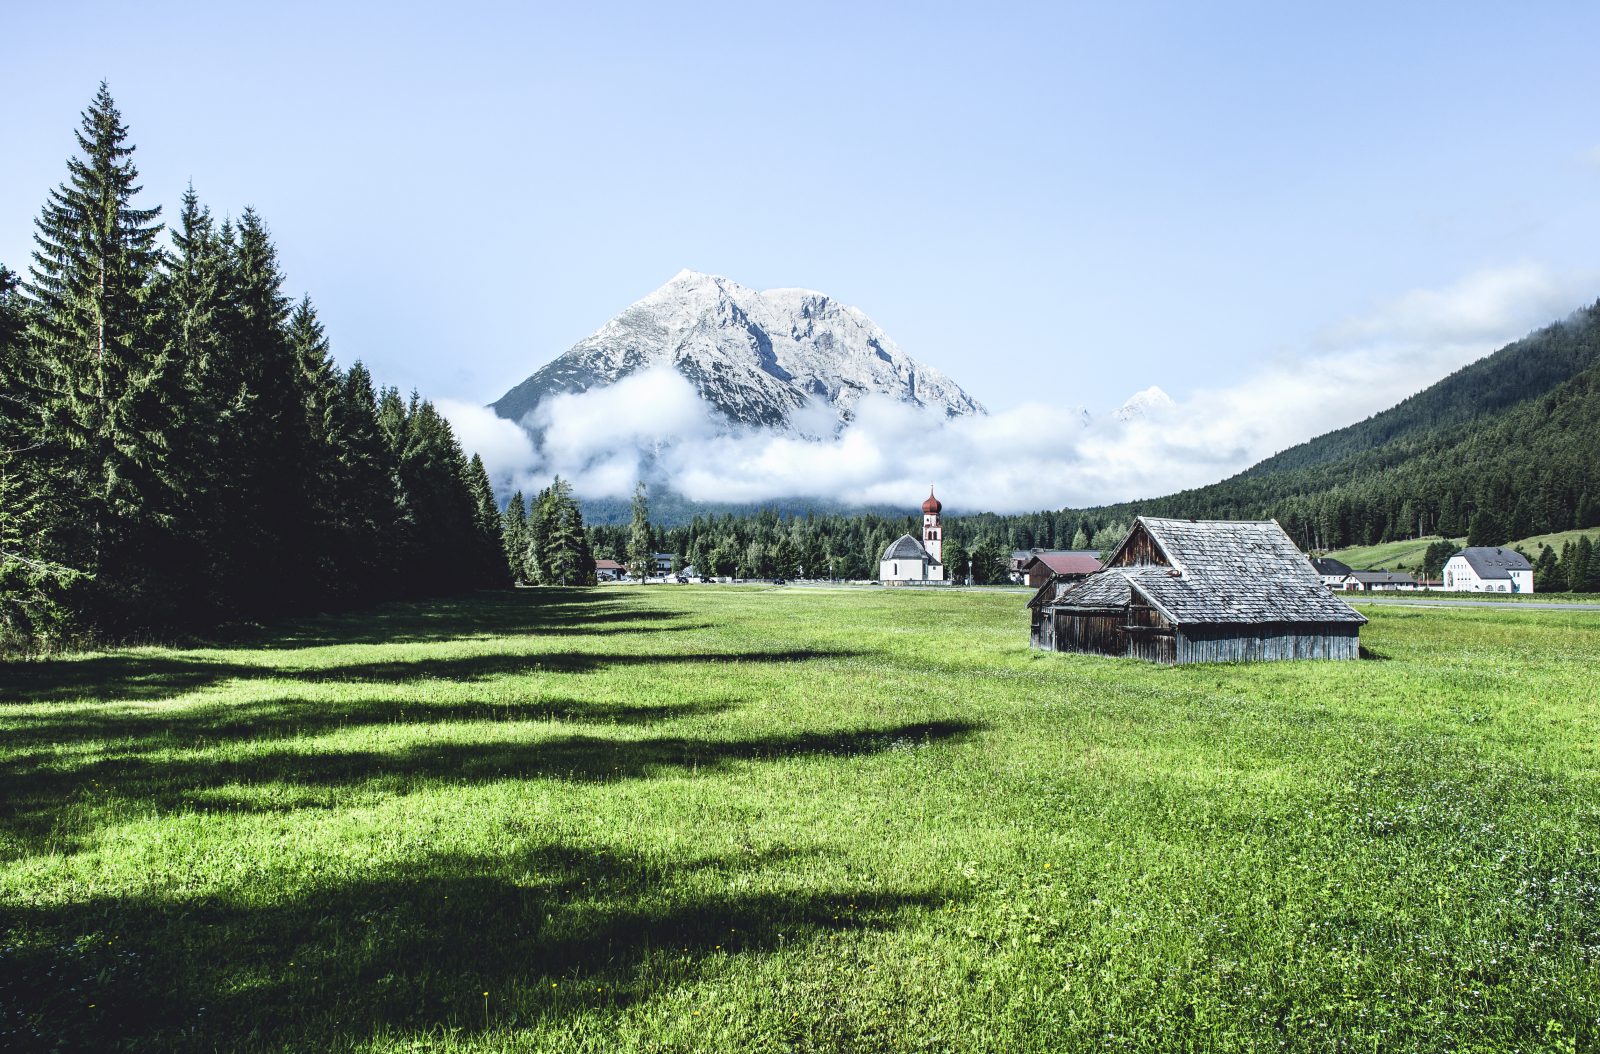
x=765 y=359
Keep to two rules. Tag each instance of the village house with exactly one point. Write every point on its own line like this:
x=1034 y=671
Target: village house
x=1066 y=564
x=1378 y=582
x=1332 y=572
x=608 y=570
x=908 y=560
x=1488 y=569
x=1180 y=591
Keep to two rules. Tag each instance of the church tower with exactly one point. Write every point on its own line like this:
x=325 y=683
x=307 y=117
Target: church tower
x=932 y=533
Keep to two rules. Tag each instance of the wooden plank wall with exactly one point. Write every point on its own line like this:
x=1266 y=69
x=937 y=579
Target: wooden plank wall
x=1267 y=642
x=1140 y=550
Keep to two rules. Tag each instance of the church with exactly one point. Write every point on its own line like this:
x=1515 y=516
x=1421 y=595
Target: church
x=908 y=560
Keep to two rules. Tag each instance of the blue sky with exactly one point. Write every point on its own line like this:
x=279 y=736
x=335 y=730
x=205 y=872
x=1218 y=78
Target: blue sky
x=1093 y=197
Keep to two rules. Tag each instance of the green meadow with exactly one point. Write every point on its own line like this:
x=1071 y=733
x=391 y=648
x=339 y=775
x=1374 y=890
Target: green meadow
x=712 y=818
x=1408 y=554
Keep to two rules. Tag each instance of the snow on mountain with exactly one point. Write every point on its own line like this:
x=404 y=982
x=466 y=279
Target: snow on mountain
x=761 y=359
x=1151 y=402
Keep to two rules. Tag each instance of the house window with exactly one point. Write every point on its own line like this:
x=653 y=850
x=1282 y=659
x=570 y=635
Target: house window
x=894 y=570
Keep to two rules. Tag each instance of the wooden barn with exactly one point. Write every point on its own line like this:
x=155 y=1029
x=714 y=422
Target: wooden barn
x=1198 y=591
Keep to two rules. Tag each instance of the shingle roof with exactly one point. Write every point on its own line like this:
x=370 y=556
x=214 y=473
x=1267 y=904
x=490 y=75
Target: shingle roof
x=1494 y=562
x=1327 y=565
x=1066 y=563
x=1375 y=578
x=906 y=547
x=1225 y=571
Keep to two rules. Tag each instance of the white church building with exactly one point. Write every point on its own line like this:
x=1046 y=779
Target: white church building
x=908 y=560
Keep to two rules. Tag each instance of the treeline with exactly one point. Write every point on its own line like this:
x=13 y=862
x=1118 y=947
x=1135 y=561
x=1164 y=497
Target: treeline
x=770 y=544
x=177 y=447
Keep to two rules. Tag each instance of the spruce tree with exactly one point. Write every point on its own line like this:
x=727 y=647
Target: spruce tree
x=106 y=404
x=641 y=553
x=34 y=588
x=372 y=521
x=489 y=550
x=514 y=536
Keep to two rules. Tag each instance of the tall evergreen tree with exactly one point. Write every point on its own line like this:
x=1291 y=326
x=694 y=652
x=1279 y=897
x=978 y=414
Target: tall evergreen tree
x=641 y=553
x=488 y=550
x=514 y=536
x=103 y=410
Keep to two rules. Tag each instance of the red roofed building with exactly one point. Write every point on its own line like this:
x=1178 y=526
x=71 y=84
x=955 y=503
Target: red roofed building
x=1068 y=566
x=608 y=570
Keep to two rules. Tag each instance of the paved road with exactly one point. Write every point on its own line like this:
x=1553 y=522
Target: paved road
x=1511 y=604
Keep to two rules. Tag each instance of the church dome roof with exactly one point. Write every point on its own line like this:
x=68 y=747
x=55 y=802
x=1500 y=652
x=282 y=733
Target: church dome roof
x=931 y=507
x=906 y=547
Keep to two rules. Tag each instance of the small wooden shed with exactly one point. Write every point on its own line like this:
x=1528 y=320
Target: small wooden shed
x=1198 y=591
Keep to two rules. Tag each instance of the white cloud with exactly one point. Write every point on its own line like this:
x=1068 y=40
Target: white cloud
x=1040 y=454
x=508 y=451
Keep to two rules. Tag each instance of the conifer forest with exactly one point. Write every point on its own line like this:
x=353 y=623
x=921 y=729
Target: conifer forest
x=178 y=450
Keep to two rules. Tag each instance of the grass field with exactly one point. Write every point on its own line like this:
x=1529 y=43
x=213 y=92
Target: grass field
x=1407 y=555
x=719 y=818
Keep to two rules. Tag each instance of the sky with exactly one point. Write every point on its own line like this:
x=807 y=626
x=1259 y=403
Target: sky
x=1285 y=218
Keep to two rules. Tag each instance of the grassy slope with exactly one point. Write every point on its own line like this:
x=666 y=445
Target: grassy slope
x=1407 y=555
x=672 y=819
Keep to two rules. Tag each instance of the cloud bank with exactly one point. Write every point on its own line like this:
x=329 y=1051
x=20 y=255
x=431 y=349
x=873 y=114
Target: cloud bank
x=1034 y=456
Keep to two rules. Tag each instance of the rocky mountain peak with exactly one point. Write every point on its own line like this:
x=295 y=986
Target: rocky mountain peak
x=757 y=358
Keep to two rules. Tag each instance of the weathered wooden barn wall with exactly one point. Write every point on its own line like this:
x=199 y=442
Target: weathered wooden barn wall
x=1149 y=635
x=1265 y=642
x=1043 y=631
x=1138 y=632
x=1139 y=549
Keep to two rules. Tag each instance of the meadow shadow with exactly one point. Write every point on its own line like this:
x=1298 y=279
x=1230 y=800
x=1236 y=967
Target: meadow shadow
x=445 y=942
x=36 y=790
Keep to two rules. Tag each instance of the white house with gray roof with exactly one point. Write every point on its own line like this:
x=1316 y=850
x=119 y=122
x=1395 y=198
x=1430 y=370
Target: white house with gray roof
x=1488 y=569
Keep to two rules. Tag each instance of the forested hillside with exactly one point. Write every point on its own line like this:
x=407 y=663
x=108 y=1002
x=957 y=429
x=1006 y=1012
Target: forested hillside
x=1517 y=372
x=1533 y=468
x=178 y=448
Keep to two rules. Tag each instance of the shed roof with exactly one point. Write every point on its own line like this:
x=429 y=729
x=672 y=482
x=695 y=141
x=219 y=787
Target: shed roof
x=1065 y=563
x=906 y=547
x=1494 y=562
x=1381 y=578
x=1222 y=571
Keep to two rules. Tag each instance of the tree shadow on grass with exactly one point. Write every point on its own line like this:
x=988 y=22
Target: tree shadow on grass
x=547 y=932
x=135 y=676
x=129 y=729
x=483 y=667
x=35 y=791
x=131 y=677
x=490 y=613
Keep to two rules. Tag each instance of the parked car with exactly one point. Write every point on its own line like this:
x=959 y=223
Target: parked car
x=779 y=582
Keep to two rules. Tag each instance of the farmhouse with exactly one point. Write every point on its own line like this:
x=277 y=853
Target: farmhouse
x=1488 y=569
x=1070 y=565
x=1378 y=582
x=1332 y=572
x=908 y=560
x=608 y=570
x=1198 y=591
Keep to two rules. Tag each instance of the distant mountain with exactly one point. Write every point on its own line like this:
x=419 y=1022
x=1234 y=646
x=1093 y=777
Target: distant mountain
x=1515 y=435
x=758 y=359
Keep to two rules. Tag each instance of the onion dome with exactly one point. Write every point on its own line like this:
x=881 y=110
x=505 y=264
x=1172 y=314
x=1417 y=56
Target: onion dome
x=931 y=507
